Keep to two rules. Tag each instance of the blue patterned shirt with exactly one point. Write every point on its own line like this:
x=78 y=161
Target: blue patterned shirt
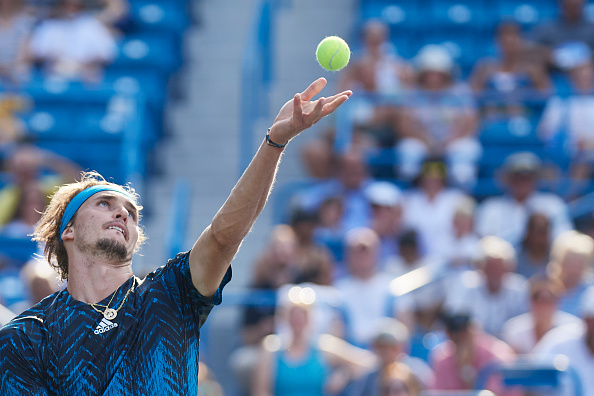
x=62 y=346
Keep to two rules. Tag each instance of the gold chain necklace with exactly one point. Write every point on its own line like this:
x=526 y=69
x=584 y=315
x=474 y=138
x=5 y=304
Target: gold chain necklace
x=110 y=313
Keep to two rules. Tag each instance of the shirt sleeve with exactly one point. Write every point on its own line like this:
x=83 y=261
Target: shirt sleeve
x=177 y=280
x=20 y=373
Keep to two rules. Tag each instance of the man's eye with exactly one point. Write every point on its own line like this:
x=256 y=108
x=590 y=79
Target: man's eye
x=103 y=203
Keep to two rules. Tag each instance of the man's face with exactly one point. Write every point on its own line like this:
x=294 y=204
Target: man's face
x=106 y=226
x=361 y=259
x=572 y=9
x=522 y=184
x=387 y=352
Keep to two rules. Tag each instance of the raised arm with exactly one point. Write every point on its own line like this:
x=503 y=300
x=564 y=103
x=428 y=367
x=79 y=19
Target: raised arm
x=215 y=248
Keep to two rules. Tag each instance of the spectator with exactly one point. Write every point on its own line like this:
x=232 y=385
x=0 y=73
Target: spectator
x=365 y=288
x=494 y=293
x=386 y=202
x=515 y=71
x=462 y=248
x=276 y=266
x=570 y=27
x=349 y=186
x=15 y=28
x=377 y=71
x=506 y=216
x=389 y=345
x=40 y=279
x=468 y=350
x=330 y=231
x=318 y=156
x=11 y=127
x=28 y=212
x=113 y=13
x=314 y=260
x=303 y=364
x=533 y=253
x=571 y=264
x=419 y=295
x=207 y=384
x=440 y=120
x=6 y=315
x=398 y=380
x=564 y=125
x=74 y=45
x=576 y=341
x=430 y=208
x=25 y=167
x=523 y=332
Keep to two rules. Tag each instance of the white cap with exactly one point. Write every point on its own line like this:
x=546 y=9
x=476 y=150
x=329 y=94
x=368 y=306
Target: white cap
x=587 y=303
x=383 y=193
x=434 y=57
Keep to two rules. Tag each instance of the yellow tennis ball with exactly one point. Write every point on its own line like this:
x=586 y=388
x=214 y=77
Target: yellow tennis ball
x=333 y=53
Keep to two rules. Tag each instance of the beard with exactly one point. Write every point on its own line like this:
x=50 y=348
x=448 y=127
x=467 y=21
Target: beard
x=112 y=250
x=107 y=249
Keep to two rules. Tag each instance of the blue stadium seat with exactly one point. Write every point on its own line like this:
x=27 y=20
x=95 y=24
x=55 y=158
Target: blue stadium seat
x=516 y=131
x=528 y=12
x=396 y=13
x=158 y=16
x=50 y=121
x=148 y=50
x=447 y=14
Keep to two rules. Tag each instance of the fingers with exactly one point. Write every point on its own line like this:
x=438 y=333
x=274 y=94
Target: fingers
x=333 y=97
x=313 y=89
x=297 y=109
x=316 y=113
x=331 y=106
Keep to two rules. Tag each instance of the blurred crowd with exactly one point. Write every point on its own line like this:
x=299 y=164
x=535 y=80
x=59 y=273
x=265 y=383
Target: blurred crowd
x=61 y=39
x=71 y=39
x=394 y=280
x=383 y=281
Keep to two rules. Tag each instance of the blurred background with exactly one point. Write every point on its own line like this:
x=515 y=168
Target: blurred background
x=433 y=235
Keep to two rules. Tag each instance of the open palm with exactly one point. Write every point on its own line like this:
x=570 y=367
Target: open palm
x=302 y=112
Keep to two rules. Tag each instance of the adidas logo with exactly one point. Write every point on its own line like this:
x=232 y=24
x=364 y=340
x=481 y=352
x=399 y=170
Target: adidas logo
x=104 y=325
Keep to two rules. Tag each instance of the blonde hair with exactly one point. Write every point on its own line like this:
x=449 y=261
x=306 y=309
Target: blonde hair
x=47 y=230
x=497 y=248
x=573 y=242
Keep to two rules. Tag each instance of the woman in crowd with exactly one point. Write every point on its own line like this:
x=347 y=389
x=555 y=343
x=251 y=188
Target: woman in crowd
x=295 y=362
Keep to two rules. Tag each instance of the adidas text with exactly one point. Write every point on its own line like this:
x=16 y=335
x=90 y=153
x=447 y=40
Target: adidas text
x=104 y=325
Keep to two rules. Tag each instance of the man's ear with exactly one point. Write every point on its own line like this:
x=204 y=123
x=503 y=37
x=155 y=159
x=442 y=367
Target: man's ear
x=68 y=233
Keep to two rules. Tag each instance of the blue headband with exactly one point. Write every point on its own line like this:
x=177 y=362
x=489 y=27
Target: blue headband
x=80 y=199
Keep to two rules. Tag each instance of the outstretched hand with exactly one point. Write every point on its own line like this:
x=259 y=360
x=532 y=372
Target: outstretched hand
x=302 y=112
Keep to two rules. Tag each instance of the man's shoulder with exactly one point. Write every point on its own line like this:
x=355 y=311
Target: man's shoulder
x=30 y=323
x=38 y=312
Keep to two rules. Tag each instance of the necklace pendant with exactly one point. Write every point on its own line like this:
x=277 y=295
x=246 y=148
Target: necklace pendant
x=110 y=313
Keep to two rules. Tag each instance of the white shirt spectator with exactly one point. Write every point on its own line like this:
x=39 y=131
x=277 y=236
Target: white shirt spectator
x=366 y=302
x=506 y=218
x=433 y=220
x=573 y=115
x=80 y=40
x=569 y=340
x=518 y=332
x=491 y=311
